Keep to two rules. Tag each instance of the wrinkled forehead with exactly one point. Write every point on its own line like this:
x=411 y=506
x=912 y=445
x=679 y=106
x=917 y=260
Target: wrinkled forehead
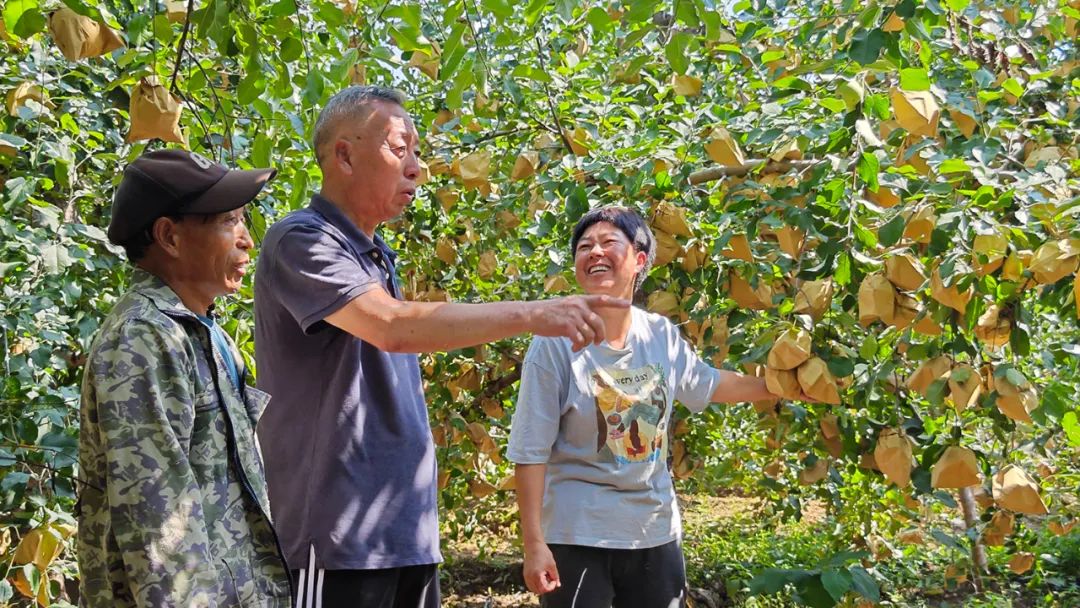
x=387 y=119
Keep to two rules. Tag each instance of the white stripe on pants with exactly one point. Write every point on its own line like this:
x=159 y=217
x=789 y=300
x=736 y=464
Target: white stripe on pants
x=310 y=587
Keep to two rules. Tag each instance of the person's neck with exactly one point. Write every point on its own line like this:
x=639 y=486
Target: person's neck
x=191 y=295
x=617 y=323
x=339 y=198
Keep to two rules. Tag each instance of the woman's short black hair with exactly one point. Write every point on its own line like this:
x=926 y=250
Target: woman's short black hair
x=630 y=223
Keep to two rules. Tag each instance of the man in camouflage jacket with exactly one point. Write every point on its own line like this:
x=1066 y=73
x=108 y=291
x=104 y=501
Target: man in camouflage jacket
x=174 y=508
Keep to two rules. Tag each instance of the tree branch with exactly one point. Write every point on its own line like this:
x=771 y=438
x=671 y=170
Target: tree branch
x=767 y=166
x=57 y=472
x=551 y=101
x=488 y=137
x=494 y=388
x=180 y=45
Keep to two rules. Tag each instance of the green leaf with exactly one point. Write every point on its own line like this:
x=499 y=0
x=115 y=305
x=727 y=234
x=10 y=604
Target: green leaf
x=411 y=14
x=640 y=10
x=914 y=79
x=954 y=165
x=1020 y=341
x=891 y=232
x=868 y=170
x=598 y=19
x=947 y=539
x=250 y=88
x=772 y=580
x=675 y=51
x=812 y=593
x=837 y=583
x=19 y=189
x=840 y=366
x=499 y=8
x=958 y=5
x=291 y=50
x=866 y=46
x=85 y=9
x=935 y=393
x=1016 y=378
x=1012 y=86
x=878 y=105
x=833 y=104
x=843 y=270
x=12 y=140
x=576 y=204
x=1071 y=426
x=865 y=236
x=23 y=18
x=313 y=89
x=453 y=53
x=869 y=347
x=864 y=584
x=283 y=8
x=260 y=150
x=6 y=591
x=533 y=11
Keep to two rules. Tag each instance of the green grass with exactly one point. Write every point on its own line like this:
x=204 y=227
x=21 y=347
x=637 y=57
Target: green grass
x=725 y=550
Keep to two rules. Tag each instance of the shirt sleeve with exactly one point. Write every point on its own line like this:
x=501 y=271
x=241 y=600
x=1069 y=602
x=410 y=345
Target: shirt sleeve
x=695 y=380
x=313 y=274
x=145 y=414
x=541 y=394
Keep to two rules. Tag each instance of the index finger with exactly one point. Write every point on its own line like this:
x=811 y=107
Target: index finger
x=596 y=324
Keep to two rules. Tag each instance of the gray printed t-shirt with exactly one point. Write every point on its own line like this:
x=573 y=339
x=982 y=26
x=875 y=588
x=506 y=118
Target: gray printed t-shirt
x=350 y=461
x=599 y=418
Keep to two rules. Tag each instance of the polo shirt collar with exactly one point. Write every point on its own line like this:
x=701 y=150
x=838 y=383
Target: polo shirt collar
x=339 y=220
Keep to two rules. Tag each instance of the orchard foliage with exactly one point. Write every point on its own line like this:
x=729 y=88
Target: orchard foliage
x=886 y=191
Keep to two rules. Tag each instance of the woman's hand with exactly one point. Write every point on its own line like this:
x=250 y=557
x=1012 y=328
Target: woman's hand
x=541 y=575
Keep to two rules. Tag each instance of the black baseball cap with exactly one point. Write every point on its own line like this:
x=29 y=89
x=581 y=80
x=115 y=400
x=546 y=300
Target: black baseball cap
x=168 y=182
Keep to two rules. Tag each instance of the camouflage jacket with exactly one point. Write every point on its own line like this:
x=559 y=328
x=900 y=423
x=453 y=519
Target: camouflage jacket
x=174 y=511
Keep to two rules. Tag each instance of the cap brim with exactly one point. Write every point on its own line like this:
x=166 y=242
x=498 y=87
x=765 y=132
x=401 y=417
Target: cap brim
x=236 y=189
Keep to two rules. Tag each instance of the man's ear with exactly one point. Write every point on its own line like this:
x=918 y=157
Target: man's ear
x=165 y=233
x=640 y=258
x=341 y=156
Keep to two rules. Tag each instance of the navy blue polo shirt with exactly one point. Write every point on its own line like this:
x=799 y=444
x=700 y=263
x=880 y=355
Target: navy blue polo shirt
x=350 y=461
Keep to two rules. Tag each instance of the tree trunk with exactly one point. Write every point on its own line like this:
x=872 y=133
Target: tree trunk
x=971 y=518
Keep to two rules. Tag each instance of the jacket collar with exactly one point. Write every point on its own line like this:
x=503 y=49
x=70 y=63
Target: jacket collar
x=164 y=298
x=363 y=243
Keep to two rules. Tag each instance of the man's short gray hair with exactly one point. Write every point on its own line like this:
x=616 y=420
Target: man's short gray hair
x=354 y=104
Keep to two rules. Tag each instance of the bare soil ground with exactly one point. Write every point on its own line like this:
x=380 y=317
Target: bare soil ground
x=485 y=572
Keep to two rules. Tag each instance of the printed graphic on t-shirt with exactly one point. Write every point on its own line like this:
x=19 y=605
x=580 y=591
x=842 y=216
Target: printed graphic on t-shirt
x=630 y=408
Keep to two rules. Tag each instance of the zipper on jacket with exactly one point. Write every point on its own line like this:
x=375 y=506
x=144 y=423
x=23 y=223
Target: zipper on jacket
x=234 y=452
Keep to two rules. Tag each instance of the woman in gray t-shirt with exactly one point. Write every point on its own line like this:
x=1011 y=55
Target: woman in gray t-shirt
x=599 y=522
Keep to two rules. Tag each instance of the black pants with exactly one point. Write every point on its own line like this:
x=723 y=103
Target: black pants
x=406 y=587
x=618 y=578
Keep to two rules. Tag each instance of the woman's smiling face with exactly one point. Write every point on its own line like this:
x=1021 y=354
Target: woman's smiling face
x=605 y=261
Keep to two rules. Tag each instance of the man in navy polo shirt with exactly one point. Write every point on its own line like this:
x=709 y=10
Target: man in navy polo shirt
x=349 y=456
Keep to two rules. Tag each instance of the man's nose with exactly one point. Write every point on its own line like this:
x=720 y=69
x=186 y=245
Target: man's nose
x=245 y=242
x=412 y=167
